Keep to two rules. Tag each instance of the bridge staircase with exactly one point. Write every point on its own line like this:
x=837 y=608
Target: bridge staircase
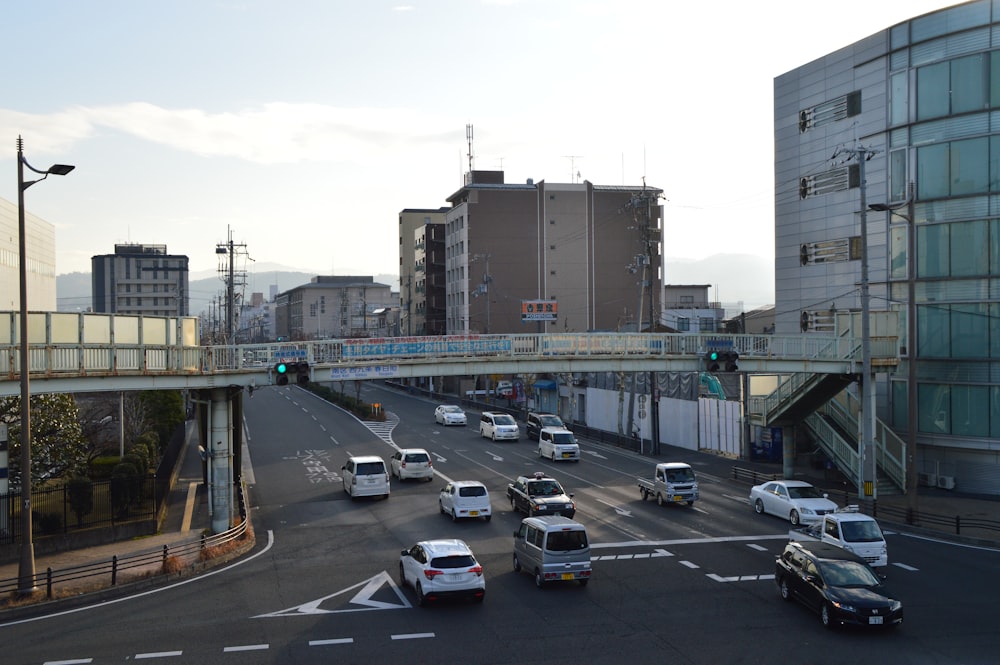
x=829 y=410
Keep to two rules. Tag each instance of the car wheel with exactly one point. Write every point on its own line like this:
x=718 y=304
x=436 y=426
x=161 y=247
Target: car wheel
x=690 y=503
x=786 y=593
x=758 y=506
x=825 y=618
x=517 y=565
x=539 y=451
x=441 y=507
x=659 y=499
x=402 y=576
x=454 y=516
x=793 y=517
x=512 y=503
x=494 y=435
x=421 y=599
x=489 y=517
x=539 y=580
x=643 y=493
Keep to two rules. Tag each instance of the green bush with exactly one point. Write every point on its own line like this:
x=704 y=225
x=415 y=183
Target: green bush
x=102 y=467
x=125 y=485
x=80 y=494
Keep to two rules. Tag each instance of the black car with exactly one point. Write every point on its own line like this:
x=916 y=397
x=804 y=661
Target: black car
x=837 y=584
x=536 y=421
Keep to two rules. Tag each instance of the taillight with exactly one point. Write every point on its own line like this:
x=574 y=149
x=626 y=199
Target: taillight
x=430 y=573
x=478 y=570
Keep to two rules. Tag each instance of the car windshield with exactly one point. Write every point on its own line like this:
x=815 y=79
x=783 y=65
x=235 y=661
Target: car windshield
x=680 y=475
x=550 y=421
x=563 y=437
x=808 y=492
x=848 y=574
x=453 y=561
x=451 y=409
x=544 y=488
x=472 y=491
x=566 y=541
x=504 y=420
x=865 y=531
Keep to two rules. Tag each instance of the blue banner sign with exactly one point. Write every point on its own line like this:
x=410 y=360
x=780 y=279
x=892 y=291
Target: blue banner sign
x=422 y=346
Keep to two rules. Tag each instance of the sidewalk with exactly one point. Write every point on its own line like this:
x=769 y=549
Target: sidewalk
x=186 y=518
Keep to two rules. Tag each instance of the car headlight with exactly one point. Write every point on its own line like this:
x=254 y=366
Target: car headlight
x=807 y=511
x=895 y=605
x=844 y=607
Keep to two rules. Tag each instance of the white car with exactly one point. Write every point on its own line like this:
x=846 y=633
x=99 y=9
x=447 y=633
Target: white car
x=411 y=463
x=557 y=443
x=442 y=568
x=449 y=414
x=498 y=426
x=794 y=500
x=465 y=498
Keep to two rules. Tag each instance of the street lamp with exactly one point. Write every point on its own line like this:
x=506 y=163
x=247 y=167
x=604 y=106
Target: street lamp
x=26 y=569
x=911 y=346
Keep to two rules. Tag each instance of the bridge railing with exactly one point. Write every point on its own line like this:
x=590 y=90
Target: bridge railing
x=92 y=344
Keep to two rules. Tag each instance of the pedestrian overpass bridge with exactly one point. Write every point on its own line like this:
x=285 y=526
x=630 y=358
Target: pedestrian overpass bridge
x=82 y=352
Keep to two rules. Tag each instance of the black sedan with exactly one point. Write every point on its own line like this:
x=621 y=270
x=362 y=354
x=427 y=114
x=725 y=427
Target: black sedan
x=837 y=584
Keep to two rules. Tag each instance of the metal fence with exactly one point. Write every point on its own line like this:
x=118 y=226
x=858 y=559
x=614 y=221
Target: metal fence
x=53 y=511
x=106 y=573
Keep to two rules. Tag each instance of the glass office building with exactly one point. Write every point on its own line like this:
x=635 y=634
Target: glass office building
x=904 y=124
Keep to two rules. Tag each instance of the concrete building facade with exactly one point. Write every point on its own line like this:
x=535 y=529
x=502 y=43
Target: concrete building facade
x=40 y=245
x=140 y=279
x=335 y=307
x=907 y=120
x=588 y=248
x=411 y=273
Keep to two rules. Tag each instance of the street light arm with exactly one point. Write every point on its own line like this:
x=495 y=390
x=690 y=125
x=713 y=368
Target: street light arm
x=55 y=169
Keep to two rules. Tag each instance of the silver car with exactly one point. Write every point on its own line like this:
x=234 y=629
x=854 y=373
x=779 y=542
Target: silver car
x=449 y=414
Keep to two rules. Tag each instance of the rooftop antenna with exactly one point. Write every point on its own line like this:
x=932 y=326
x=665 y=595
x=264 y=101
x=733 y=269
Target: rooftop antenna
x=574 y=175
x=468 y=138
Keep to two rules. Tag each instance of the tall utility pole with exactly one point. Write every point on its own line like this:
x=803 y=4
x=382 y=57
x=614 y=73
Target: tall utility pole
x=641 y=205
x=232 y=278
x=867 y=472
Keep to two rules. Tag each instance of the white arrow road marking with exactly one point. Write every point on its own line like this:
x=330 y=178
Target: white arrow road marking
x=439 y=458
x=595 y=454
x=620 y=511
x=496 y=458
x=362 y=597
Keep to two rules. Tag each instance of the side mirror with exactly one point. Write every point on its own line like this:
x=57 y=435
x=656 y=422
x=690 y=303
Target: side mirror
x=515 y=534
x=405 y=553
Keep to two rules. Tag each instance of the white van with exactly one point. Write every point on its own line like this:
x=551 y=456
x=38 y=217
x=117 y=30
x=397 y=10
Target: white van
x=851 y=530
x=552 y=548
x=366 y=475
x=557 y=443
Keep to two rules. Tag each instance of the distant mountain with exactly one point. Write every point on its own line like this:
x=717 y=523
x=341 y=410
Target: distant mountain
x=735 y=278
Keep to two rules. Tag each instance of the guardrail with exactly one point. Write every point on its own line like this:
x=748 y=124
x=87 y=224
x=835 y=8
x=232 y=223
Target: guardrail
x=106 y=573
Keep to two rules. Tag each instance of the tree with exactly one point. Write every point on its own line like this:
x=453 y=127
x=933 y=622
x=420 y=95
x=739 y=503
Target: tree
x=80 y=493
x=57 y=443
x=164 y=413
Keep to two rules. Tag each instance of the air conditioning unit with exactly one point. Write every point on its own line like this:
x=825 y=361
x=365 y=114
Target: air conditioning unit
x=927 y=479
x=946 y=482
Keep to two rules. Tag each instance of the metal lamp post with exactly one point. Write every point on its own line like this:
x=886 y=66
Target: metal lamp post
x=26 y=569
x=911 y=346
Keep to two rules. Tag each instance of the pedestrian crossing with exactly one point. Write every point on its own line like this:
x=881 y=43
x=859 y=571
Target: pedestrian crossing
x=383 y=429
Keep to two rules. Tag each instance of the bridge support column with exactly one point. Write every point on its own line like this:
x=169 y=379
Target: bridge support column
x=221 y=459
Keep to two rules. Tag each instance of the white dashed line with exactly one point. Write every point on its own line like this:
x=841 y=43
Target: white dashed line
x=158 y=654
x=905 y=567
x=247 y=647
x=323 y=643
x=412 y=636
x=689 y=564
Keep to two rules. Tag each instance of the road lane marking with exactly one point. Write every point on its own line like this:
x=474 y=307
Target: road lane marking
x=158 y=654
x=323 y=643
x=412 y=636
x=905 y=567
x=689 y=564
x=247 y=647
x=620 y=511
x=369 y=588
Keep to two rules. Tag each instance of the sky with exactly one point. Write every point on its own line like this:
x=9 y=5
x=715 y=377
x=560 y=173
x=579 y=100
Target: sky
x=301 y=128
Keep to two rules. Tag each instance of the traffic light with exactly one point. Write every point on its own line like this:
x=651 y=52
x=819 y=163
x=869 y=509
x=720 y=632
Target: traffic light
x=730 y=358
x=302 y=373
x=281 y=374
x=712 y=361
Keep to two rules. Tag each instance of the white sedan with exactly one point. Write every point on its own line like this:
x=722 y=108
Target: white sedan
x=449 y=414
x=794 y=500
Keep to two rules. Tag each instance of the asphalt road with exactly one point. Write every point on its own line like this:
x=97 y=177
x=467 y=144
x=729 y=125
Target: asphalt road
x=671 y=584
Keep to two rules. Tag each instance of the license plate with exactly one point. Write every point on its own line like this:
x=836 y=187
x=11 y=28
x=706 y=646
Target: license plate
x=874 y=620
x=567 y=576
x=567 y=454
x=678 y=497
x=474 y=513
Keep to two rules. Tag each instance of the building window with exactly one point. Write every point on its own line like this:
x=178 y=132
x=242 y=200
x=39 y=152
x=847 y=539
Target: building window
x=683 y=324
x=706 y=324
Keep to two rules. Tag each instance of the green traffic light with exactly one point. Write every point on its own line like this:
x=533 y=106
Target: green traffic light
x=281 y=368
x=714 y=355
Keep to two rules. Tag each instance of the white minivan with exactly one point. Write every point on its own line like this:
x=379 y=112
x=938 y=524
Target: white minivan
x=366 y=475
x=557 y=443
x=552 y=548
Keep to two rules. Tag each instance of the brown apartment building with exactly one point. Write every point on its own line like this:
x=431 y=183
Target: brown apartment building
x=590 y=248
